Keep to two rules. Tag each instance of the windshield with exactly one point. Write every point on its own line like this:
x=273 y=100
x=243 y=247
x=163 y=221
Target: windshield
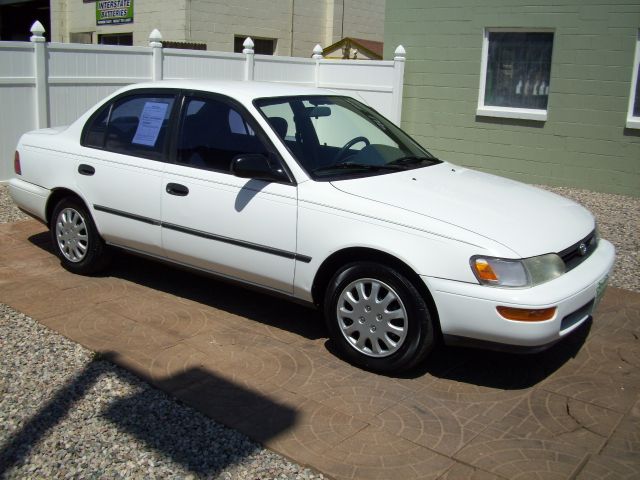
x=333 y=136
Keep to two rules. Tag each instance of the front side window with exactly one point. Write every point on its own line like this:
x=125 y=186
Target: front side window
x=337 y=137
x=516 y=74
x=633 y=116
x=135 y=125
x=212 y=133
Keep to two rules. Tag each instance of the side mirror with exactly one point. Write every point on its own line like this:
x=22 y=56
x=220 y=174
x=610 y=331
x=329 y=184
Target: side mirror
x=257 y=166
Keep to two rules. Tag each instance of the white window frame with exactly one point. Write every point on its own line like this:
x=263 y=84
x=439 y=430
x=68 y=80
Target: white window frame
x=634 y=122
x=506 y=112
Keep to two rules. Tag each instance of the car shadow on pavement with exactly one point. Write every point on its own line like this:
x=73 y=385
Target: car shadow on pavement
x=466 y=365
x=183 y=435
x=198 y=287
x=501 y=370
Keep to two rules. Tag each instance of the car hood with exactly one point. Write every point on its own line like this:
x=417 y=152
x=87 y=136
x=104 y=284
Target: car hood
x=527 y=220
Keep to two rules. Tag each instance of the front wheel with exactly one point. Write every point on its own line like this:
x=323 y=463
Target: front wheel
x=377 y=318
x=75 y=238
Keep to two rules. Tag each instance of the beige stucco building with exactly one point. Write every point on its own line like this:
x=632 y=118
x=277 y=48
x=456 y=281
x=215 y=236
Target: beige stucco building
x=281 y=27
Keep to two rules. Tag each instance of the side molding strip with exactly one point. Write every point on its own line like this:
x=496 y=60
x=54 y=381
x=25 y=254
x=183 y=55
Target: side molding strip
x=209 y=236
x=132 y=216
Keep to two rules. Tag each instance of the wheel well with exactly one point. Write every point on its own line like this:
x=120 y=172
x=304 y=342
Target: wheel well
x=358 y=254
x=57 y=195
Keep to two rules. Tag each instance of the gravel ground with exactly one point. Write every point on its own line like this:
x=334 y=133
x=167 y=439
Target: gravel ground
x=618 y=219
x=8 y=211
x=66 y=413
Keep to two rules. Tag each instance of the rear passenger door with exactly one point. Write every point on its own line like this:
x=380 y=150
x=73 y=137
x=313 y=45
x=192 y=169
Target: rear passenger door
x=119 y=172
x=240 y=228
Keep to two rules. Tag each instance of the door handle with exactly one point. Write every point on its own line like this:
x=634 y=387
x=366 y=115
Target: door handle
x=177 y=189
x=85 y=169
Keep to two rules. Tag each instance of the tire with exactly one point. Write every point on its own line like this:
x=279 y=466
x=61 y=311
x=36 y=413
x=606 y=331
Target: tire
x=390 y=331
x=76 y=239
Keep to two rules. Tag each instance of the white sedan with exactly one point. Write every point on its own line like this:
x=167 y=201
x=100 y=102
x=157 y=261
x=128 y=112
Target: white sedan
x=317 y=197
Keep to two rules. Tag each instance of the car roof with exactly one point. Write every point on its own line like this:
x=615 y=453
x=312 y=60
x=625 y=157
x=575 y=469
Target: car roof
x=241 y=90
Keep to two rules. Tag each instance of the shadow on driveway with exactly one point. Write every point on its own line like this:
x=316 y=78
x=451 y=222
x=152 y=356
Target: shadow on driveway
x=188 y=443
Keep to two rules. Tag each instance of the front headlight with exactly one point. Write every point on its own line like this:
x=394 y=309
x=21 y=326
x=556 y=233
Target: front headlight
x=527 y=272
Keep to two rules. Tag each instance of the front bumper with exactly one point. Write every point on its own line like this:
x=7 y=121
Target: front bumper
x=468 y=311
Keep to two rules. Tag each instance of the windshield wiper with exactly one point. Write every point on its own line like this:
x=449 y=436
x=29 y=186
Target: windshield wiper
x=355 y=166
x=413 y=160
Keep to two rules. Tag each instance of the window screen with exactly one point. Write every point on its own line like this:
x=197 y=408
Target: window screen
x=518 y=69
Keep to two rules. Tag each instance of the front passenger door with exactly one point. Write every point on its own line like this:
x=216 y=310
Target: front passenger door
x=240 y=228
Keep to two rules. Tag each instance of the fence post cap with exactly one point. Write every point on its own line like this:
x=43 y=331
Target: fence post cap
x=317 y=52
x=155 y=38
x=400 y=53
x=248 y=46
x=37 y=30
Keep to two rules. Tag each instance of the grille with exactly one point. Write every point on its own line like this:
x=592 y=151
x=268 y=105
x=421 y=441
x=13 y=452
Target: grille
x=573 y=257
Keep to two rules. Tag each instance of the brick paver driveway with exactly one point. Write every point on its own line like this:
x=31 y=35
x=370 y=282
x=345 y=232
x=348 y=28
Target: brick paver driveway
x=265 y=367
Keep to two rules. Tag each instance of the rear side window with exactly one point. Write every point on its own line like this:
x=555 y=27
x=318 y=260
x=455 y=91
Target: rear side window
x=135 y=125
x=94 y=136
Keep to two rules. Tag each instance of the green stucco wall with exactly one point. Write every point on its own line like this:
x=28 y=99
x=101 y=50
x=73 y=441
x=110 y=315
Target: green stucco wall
x=583 y=143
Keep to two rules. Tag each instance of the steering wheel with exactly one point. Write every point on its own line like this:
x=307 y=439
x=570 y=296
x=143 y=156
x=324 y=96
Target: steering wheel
x=338 y=158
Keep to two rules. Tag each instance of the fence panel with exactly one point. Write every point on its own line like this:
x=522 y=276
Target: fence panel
x=369 y=83
x=81 y=75
x=17 y=88
x=297 y=71
x=196 y=64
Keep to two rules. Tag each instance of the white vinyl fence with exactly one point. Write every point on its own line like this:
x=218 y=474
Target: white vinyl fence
x=49 y=84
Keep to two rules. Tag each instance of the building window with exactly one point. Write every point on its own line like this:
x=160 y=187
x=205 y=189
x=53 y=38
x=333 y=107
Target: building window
x=633 y=117
x=516 y=74
x=116 y=39
x=81 y=37
x=262 y=46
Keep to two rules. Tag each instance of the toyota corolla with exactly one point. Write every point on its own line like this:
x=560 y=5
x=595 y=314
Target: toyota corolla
x=315 y=196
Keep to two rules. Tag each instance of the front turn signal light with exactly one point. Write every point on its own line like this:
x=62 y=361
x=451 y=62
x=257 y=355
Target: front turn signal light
x=484 y=270
x=527 y=314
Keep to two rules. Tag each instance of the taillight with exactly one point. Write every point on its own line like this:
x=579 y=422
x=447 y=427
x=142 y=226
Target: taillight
x=16 y=164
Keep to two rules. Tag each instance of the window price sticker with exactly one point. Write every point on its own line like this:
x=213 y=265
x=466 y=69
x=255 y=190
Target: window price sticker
x=150 y=123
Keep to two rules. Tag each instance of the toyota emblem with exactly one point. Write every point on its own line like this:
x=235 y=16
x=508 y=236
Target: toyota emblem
x=582 y=248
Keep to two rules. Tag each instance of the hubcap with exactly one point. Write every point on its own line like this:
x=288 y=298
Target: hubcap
x=72 y=235
x=372 y=317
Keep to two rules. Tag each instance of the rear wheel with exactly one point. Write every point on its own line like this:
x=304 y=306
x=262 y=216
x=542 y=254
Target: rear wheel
x=377 y=318
x=75 y=238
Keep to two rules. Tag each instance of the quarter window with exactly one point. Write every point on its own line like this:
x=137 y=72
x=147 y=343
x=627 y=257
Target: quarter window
x=633 y=115
x=94 y=136
x=212 y=133
x=516 y=74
